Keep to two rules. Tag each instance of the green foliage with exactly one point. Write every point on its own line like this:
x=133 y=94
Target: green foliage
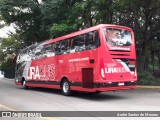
x=8 y=67
x=151 y=82
x=146 y=75
x=27 y=17
x=9 y=46
x=7 y=64
x=2 y=56
x=147 y=78
x=62 y=29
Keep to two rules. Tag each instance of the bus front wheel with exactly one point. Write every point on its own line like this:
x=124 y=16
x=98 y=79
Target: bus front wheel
x=24 y=84
x=66 y=88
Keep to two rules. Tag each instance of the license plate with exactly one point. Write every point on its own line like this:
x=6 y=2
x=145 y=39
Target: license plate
x=121 y=83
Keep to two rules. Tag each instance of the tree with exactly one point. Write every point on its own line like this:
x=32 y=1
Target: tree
x=35 y=22
x=27 y=17
x=8 y=67
x=143 y=16
x=79 y=14
x=8 y=48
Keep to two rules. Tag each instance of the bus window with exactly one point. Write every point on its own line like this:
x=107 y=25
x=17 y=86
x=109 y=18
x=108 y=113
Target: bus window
x=57 y=48
x=24 y=56
x=92 y=40
x=38 y=52
x=63 y=46
x=72 y=50
x=83 y=42
x=96 y=40
x=78 y=43
x=60 y=47
x=48 y=51
x=118 y=37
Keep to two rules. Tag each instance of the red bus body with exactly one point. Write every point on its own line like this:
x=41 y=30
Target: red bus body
x=105 y=67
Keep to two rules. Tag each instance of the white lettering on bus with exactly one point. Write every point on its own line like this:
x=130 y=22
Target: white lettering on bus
x=43 y=72
x=51 y=71
x=33 y=73
x=37 y=73
x=79 y=59
x=115 y=70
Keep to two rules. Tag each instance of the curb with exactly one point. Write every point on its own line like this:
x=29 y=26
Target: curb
x=7 y=78
x=150 y=87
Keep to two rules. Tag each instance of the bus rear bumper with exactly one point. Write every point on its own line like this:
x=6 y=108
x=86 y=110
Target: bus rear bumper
x=115 y=88
x=104 y=89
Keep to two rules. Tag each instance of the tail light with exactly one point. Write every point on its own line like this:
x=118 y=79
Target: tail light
x=102 y=69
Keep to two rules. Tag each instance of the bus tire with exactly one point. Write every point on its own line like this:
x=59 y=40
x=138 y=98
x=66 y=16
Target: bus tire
x=24 y=84
x=97 y=92
x=66 y=90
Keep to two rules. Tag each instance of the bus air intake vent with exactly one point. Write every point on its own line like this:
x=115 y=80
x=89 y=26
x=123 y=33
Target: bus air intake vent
x=120 y=54
x=119 y=50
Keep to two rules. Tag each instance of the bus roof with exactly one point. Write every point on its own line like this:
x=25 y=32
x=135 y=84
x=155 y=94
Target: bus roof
x=84 y=31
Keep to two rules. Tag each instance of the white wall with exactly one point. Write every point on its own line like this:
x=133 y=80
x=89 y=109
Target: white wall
x=1 y=74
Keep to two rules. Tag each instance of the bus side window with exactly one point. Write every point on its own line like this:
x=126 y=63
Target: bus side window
x=41 y=54
x=38 y=52
x=56 y=47
x=63 y=46
x=68 y=45
x=53 y=49
x=78 y=43
x=75 y=44
x=96 y=39
x=89 y=41
x=71 y=47
x=47 y=51
x=82 y=45
x=92 y=40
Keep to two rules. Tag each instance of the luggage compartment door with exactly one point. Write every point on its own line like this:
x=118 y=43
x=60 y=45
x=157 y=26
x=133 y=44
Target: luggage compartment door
x=87 y=78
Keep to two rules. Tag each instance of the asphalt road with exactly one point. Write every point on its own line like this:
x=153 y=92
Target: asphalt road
x=15 y=98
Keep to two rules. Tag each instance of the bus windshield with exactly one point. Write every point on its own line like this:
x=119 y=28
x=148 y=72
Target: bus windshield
x=29 y=53
x=118 y=37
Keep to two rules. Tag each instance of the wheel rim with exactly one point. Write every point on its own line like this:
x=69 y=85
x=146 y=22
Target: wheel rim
x=24 y=83
x=65 y=87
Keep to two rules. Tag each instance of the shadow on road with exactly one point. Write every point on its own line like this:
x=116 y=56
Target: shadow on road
x=83 y=95
x=99 y=97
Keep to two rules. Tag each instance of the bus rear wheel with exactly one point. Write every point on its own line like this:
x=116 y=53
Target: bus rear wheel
x=66 y=90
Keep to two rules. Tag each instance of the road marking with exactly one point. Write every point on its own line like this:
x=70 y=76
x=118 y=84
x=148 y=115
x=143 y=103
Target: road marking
x=5 y=107
x=49 y=118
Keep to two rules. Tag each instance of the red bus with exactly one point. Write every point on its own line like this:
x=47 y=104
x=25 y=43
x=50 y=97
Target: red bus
x=96 y=59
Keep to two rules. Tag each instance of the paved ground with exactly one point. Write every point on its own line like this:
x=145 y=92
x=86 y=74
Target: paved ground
x=15 y=98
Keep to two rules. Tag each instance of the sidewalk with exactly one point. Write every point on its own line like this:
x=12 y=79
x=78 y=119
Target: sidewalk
x=8 y=78
x=150 y=87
